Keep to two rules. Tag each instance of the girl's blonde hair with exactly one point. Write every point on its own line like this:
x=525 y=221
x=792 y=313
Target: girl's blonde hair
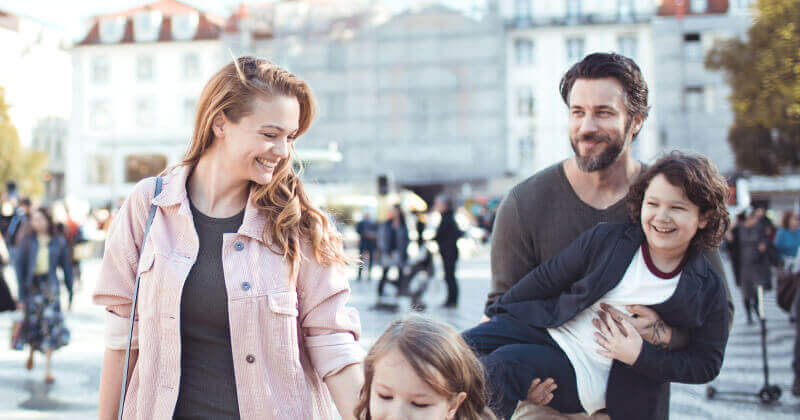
x=439 y=356
x=291 y=218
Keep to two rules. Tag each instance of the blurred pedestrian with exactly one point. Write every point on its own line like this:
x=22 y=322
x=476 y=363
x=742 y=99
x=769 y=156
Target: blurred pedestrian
x=754 y=258
x=732 y=246
x=41 y=251
x=447 y=235
x=393 y=244
x=367 y=231
x=420 y=227
x=787 y=240
x=243 y=296
x=6 y=300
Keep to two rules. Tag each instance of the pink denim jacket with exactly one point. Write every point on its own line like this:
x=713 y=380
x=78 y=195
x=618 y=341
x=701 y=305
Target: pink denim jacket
x=284 y=340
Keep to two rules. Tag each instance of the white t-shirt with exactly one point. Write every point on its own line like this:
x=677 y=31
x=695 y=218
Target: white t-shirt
x=639 y=286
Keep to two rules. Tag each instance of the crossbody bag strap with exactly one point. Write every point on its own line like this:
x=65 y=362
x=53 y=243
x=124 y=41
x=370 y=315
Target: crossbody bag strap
x=150 y=217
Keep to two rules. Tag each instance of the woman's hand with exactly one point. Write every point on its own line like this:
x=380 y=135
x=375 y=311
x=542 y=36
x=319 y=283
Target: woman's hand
x=619 y=340
x=541 y=392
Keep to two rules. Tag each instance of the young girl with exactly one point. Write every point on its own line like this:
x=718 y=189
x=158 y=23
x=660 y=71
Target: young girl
x=422 y=369
x=545 y=326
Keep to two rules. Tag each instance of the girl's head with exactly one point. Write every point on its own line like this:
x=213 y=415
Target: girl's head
x=42 y=222
x=680 y=201
x=421 y=369
x=248 y=116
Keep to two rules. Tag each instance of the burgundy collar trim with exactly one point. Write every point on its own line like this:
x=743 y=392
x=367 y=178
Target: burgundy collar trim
x=652 y=267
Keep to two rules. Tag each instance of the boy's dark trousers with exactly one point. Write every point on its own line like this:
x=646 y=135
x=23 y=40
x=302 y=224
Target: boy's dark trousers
x=514 y=354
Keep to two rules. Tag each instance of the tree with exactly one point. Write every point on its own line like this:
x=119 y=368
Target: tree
x=25 y=167
x=764 y=75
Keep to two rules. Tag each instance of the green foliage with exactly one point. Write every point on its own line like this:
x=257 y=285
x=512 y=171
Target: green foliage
x=17 y=164
x=764 y=74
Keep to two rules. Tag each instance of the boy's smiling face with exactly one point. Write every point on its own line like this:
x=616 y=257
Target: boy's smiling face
x=669 y=219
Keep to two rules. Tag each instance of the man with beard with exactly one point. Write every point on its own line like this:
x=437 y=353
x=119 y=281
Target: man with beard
x=607 y=101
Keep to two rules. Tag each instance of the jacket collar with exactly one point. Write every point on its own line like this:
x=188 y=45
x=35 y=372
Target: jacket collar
x=174 y=193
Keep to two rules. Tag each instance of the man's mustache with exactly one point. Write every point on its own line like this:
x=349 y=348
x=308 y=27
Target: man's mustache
x=596 y=137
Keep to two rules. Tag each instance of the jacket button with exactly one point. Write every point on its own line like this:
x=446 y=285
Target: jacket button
x=250 y=358
x=246 y=286
x=239 y=245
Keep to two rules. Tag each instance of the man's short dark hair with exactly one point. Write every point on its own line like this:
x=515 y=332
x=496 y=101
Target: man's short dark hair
x=603 y=65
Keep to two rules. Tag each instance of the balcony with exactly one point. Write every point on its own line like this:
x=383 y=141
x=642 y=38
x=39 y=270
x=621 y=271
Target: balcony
x=521 y=22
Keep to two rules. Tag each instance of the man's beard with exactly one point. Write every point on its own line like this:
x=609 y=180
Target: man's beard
x=612 y=152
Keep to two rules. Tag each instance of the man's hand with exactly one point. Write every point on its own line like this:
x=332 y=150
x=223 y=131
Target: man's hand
x=541 y=393
x=619 y=340
x=645 y=321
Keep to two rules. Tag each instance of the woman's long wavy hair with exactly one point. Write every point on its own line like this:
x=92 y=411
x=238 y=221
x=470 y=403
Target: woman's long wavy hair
x=291 y=217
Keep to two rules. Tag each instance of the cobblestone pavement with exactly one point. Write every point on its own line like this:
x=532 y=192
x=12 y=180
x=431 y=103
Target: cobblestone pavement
x=24 y=396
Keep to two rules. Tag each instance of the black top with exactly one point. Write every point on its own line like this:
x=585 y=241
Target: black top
x=208 y=386
x=592 y=265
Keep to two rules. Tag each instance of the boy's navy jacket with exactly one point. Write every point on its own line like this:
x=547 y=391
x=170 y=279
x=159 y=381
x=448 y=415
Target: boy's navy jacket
x=576 y=278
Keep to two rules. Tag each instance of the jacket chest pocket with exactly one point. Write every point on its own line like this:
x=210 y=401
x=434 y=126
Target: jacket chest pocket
x=282 y=323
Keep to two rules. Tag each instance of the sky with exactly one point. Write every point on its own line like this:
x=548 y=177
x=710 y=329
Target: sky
x=72 y=15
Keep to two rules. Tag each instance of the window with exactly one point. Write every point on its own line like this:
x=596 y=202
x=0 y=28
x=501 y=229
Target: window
x=145 y=112
x=189 y=105
x=626 y=9
x=191 y=66
x=698 y=6
x=574 y=49
x=525 y=150
x=626 y=45
x=523 y=51
x=144 y=67
x=694 y=101
x=525 y=102
x=692 y=47
x=98 y=170
x=573 y=10
x=522 y=9
x=138 y=167
x=100 y=70
x=337 y=104
x=100 y=115
x=336 y=56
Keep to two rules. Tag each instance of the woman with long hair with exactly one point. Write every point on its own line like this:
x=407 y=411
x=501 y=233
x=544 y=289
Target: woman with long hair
x=41 y=251
x=242 y=303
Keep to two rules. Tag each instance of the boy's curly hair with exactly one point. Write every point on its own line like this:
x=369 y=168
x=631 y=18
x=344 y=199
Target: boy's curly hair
x=703 y=185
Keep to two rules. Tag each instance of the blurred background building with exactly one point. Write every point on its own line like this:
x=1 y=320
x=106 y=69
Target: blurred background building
x=433 y=98
x=692 y=102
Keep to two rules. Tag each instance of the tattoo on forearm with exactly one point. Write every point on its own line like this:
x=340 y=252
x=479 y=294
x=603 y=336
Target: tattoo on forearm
x=658 y=334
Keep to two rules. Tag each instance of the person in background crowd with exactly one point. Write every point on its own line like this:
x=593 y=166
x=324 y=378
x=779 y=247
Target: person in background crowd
x=760 y=212
x=447 y=235
x=393 y=245
x=6 y=300
x=753 y=244
x=41 y=251
x=787 y=240
x=421 y=369
x=13 y=233
x=367 y=231
x=421 y=222
x=732 y=246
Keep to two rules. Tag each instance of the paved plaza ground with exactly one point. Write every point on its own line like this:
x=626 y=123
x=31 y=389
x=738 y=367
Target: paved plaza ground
x=24 y=396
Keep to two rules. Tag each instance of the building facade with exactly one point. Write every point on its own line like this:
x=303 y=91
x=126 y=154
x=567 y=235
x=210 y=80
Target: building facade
x=418 y=97
x=50 y=136
x=137 y=75
x=543 y=40
x=694 y=111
